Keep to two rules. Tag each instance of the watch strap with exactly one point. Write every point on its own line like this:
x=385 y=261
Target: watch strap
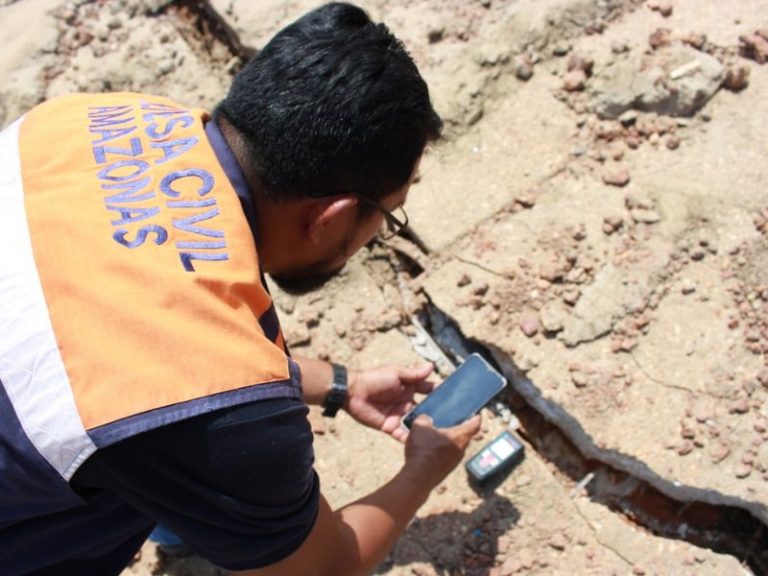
x=337 y=396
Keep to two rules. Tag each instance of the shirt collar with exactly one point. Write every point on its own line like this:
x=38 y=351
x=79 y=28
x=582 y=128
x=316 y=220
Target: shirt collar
x=232 y=169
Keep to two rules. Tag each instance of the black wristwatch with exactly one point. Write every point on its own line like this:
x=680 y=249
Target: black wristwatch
x=338 y=394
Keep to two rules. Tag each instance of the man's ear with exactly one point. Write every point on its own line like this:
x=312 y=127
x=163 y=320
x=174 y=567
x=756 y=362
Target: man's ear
x=325 y=212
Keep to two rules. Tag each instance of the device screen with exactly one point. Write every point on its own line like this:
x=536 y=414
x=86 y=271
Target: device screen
x=463 y=393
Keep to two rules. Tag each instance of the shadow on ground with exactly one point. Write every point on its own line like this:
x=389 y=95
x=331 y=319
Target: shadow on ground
x=456 y=543
x=188 y=566
x=452 y=543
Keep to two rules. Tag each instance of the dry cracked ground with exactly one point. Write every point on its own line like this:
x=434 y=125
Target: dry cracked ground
x=596 y=222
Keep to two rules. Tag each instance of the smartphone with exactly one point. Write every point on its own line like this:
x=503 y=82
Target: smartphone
x=470 y=387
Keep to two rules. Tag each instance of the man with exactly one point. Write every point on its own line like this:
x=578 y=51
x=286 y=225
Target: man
x=144 y=375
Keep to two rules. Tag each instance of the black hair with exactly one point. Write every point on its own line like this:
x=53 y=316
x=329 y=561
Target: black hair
x=332 y=104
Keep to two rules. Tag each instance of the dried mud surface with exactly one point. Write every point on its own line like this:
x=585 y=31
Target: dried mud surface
x=597 y=218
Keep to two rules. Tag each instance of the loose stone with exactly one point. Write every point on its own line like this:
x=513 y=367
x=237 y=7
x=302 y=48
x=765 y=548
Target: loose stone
x=575 y=80
x=672 y=142
x=619 y=178
x=660 y=37
x=579 y=62
x=529 y=325
x=551 y=318
x=558 y=541
x=663 y=7
x=688 y=286
x=571 y=296
x=736 y=77
x=687 y=432
x=580 y=380
x=685 y=448
x=740 y=407
x=526 y=200
x=743 y=470
x=695 y=40
x=719 y=452
x=523 y=68
x=755 y=46
x=645 y=216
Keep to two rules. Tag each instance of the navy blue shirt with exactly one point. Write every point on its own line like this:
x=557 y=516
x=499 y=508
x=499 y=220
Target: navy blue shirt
x=236 y=485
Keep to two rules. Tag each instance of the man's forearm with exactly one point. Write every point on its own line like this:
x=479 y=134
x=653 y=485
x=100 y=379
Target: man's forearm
x=374 y=523
x=356 y=538
x=316 y=377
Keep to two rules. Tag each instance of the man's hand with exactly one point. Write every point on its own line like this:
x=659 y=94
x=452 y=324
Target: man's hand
x=431 y=453
x=379 y=398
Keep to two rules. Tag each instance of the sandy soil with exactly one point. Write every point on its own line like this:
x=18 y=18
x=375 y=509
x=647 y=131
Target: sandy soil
x=596 y=220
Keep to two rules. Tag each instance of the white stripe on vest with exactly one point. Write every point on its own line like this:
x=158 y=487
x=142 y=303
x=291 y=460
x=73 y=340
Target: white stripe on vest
x=31 y=368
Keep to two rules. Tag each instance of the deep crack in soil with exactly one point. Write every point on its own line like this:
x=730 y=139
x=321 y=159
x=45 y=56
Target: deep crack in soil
x=202 y=26
x=625 y=485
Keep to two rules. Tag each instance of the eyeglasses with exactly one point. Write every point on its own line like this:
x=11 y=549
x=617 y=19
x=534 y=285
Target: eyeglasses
x=392 y=224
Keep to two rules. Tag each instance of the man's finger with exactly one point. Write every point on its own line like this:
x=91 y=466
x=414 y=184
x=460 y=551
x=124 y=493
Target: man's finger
x=424 y=387
x=415 y=374
x=400 y=434
x=468 y=428
x=423 y=420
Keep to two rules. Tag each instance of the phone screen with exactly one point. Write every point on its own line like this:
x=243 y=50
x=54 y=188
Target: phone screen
x=463 y=393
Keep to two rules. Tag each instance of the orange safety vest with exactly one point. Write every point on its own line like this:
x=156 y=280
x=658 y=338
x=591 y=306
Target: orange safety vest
x=130 y=288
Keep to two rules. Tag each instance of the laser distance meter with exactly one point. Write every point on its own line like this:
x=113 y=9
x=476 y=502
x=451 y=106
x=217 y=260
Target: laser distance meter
x=500 y=455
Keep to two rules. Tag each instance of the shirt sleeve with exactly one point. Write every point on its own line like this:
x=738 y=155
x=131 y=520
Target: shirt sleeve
x=236 y=485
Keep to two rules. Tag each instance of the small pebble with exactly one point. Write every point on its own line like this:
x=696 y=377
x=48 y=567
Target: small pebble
x=526 y=200
x=618 y=178
x=663 y=7
x=558 y=541
x=736 y=77
x=672 y=142
x=660 y=37
x=529 y=325
x=571 y=296
x=685 y=448
x=719 y=452
x=523 y=69
x=435 y=35
x=687 y=432
x=688 y=286
x=743 y=470
x=645 y=216
x=575 y=80
x=580 y=380
x=695 y=40
x=740 y=407
x=579 y=62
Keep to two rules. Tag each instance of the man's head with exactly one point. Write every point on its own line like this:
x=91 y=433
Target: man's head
x=332 y=109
